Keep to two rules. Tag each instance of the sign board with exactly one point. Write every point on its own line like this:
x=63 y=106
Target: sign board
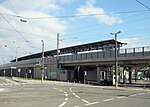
x=19 y=70
x=29 y=70
x=85 y=73
x=13 y=67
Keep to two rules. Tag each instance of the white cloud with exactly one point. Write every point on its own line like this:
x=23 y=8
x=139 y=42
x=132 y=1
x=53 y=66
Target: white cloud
x=90 y=2
x=44 y=29
x=67 y=1
x=48 y=6
x=131 y=42
x=103 y=16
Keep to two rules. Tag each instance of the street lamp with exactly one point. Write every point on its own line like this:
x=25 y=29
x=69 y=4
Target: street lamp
x=23 y=20
x=116 y=58
x=57 y=50
x=42 y=64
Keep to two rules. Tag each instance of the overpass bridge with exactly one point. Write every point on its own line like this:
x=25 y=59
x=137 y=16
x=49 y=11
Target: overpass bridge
x=98 y=65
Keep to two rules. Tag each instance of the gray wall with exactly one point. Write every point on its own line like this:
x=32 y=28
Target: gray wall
x=91 y=76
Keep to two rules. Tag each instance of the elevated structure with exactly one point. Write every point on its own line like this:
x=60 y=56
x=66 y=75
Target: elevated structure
x=101 y=45
x=97 y=65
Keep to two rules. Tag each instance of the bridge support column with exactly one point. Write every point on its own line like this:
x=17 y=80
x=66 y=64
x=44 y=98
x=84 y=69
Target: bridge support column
x=98 y=74
x=136 y=75
x=130 y=75
x=125 y=74
x=107 y=74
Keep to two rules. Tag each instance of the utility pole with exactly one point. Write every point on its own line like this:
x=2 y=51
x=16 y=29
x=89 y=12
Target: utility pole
x=116 y=58
x=16 y=57
x=57 y=55
x=57 y=50
x=42 y=62
x=16 y=54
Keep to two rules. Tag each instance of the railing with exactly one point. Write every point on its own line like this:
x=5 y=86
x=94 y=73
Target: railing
x=122 y=53
x=129 y=52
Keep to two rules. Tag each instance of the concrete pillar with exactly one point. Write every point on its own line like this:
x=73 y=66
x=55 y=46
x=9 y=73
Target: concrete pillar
x=130 y=77
x=136 y=75
x=98 y=74
x=124 y=75
x=113 y=74
x=119 y=74
x=130 y=74
x=106 y=70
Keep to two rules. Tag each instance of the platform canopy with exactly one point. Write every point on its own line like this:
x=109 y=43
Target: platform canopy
x=100 y=45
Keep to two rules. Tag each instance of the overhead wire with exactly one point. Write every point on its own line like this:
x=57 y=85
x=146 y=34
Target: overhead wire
x=143 y=4
x=17 y=31
x=82 y=15
x=87 y=30
x=25 y=32
x=92 y=27
x=79 y=15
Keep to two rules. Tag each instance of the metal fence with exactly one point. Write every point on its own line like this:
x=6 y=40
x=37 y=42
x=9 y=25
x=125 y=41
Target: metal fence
x=122 y=53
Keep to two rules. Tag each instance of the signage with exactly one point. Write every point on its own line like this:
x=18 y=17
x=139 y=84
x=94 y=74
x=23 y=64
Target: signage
x=19 y=70
x=13 y=67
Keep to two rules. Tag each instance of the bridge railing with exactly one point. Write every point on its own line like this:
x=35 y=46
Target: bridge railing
x=128 y=52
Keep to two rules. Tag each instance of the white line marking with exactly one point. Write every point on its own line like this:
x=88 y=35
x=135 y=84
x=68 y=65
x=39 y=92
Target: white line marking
x=71 y=90
x=74 y=93
x=77 y=96
x=91 y=103
x=66 y=99
x=5 y=83
x=62 y=104
x=109 y=99
x=66 y=95
x=85 y=101
x=121 y=97
x=65 y=92
x=132 y=95
x=76 y=106
x=1 y=89
x=55 y=88
x=60 y=90
x=141 y=93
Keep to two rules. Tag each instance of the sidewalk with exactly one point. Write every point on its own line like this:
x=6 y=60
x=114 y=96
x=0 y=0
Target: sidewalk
x=55 y=83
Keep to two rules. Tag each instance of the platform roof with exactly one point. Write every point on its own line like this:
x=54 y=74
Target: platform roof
x=100 y=45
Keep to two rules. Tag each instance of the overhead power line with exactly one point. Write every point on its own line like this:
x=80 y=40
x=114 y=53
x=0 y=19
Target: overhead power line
x=82 y=15
x=27 y=33
x=17 y=31
x=143 y=4
x=73 y=16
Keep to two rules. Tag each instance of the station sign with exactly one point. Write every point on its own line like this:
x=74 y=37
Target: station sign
x=13 y=67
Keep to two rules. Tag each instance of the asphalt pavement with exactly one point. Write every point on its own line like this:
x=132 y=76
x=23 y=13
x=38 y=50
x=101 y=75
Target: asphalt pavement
x=33 y=93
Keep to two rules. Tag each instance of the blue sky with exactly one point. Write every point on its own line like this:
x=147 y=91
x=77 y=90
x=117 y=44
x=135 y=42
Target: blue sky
x=45 y=19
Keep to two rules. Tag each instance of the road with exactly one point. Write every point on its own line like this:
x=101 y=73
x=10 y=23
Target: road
x=60 y=94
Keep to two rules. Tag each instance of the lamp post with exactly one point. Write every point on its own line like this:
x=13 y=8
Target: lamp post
x=42 y=62
x=58 y=74
x=17 y=57
x=116 y=58
x=57 y=50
